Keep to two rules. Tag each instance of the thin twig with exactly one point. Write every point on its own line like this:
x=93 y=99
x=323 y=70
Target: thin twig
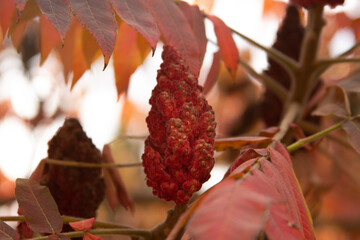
x=303 y=141
x=288 y=63
x=350 y=50
x=332 y=61
x=91 y=165
x=274 y=86
x=68 y=219
x=129 y=232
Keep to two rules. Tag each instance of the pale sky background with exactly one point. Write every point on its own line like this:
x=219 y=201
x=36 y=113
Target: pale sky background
x=21 y=149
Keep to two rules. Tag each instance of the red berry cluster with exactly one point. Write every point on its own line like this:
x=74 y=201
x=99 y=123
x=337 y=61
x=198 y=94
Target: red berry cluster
x=179 y=152
x=307 y=3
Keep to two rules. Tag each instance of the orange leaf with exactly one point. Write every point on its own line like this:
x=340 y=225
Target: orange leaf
x=355 y=24
x=143 y=47
x=97 y=17
x=127 y=56
x=89 y=47
x=49 y=38
x=79 y=65
x=274 y=7
x=239 y=142
x=67 y=52
x=83 y=225
x=7 y=10
x=228 y=49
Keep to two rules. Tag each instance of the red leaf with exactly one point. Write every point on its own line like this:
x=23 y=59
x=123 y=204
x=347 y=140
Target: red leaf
x=136 y=14
x=196 y=22
x=113 y=173
x=96 y=16
x=334 y=103
x=176 y=31
x=38 y=206
x=49 y=38
x=6 y=232
x=231 y=210
x=213 y=73
x=222 y=144
x=269 y=132
x=89 y=236
x=260 y=195
x=352 y=128
x=83 y=225
x=228 y=49
x=7 y=9
x=127 y=56
x=58 y=13
x=290 y=188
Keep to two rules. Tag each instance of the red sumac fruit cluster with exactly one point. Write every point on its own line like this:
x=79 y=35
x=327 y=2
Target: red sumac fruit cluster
x=179 y=152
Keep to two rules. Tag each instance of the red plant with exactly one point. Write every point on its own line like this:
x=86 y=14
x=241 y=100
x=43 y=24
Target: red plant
x=179 y=152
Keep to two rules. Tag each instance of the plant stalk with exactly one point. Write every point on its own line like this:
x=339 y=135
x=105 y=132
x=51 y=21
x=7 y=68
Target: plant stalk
x=303 y=141
x=91 y=165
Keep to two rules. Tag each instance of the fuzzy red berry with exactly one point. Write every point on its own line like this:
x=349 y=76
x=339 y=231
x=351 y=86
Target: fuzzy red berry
x=179 y=152
x=307 y=3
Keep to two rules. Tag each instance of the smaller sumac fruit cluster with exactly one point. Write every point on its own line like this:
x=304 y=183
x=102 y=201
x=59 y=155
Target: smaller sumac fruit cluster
x=179 y=152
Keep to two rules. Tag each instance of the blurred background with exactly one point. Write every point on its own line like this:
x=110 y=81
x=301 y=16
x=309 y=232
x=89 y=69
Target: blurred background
x=36 y=97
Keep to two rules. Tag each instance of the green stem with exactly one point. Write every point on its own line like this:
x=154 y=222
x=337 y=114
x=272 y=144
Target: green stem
x=130 y=232
x=277 y=88
x=314 y=137
x=68 y=219
x=329 y=62
x=91 y=165
x=350 y=50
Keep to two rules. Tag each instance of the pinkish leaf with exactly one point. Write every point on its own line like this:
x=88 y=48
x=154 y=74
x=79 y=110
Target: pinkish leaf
x=176 y=31
x=97 y=17
x=352 y=128
x=213 y=73
x=89 y=236
x=58 y=13
x=231 y=210
x=83 y=225
x=7 y=232
x=228 y=49
x=137 y=15
x=334 y=103
x=196 y=22
x=287 y=183
x=38 y=207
